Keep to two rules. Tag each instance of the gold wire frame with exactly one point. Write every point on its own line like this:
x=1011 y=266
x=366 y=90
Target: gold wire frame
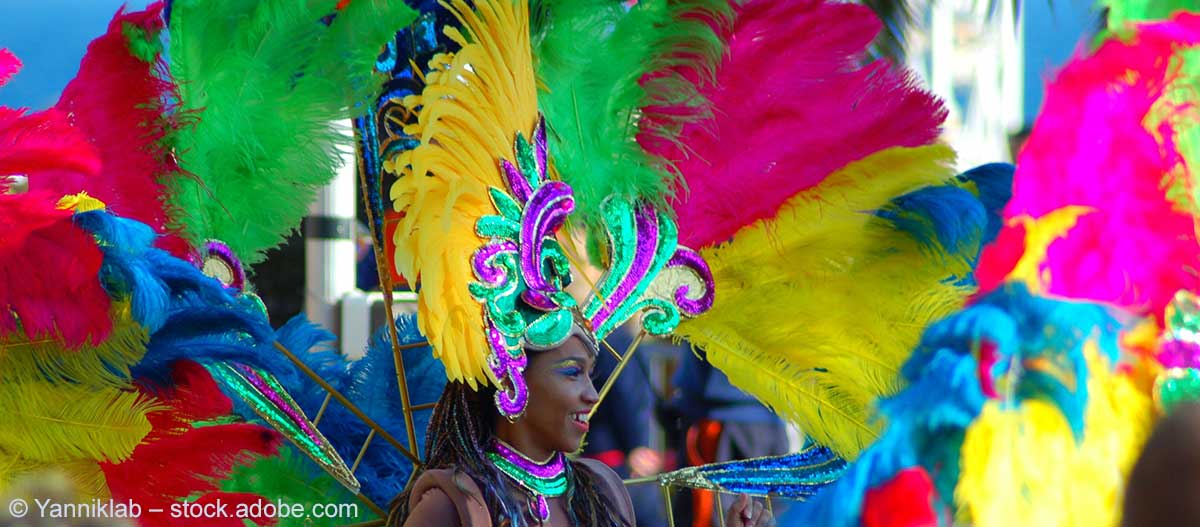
x=383 y=267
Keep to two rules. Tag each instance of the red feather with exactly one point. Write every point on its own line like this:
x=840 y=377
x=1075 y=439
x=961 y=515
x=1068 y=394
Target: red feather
x=43 y=142
x=179 y=461
x=49 y=273
x=792 y=105
x=999 y=258
x=906 y=500
x=121 y=102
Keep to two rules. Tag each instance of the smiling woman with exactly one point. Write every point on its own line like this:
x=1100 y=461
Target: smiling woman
x=483 y=470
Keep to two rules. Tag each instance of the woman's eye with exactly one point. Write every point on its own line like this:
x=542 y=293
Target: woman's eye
x=571 y=372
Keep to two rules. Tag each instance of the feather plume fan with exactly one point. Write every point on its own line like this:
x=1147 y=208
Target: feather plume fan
x=601 y=66
x=265 y=82
x=473 y=104
x=817 y=185
x=121 y=100
x=791 y=105
x=1106 y=144
x=850 y=292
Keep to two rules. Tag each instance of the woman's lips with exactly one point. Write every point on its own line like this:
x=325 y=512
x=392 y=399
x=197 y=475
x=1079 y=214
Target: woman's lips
x=580 y=420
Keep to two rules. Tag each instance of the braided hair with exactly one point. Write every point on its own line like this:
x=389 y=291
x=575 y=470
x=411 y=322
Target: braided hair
x=461 y=430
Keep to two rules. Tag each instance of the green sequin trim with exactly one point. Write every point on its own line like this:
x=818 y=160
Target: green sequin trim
x=549 y=487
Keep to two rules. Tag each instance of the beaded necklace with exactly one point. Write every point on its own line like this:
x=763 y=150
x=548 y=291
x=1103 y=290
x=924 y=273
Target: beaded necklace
x=542 y=480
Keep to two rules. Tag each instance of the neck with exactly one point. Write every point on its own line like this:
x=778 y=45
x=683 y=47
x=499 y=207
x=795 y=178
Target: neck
x=519 y=438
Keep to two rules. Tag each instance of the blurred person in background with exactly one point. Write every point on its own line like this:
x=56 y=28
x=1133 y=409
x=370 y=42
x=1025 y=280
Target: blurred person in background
x=1164 y=486
x=720 y=423
x=620 y=429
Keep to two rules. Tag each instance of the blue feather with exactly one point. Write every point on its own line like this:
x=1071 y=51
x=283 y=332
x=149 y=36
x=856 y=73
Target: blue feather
x=370 y=383
x=992 y=183
x=795 y=476
x=947 y=221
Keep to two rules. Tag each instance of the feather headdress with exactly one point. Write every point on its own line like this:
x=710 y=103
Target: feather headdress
x=480 y=212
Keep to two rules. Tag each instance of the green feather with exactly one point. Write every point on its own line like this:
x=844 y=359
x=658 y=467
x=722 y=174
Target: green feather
x=265 y=82
x=590 y=56
x=290 y=478
x=1122 y=12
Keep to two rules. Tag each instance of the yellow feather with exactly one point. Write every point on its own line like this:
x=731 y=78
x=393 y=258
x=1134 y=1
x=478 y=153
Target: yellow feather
x=52 y=423
x=104 y=365
x=1024 y=466
x=474 y=104
x=1040 y=232
x=67 y=409
x=817 y=308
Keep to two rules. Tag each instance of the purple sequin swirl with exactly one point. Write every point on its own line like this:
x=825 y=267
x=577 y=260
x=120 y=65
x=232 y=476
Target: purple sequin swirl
x=508 y=369
x=493 y=275
x=692 y=260
x=544 y=213
x=551 y=469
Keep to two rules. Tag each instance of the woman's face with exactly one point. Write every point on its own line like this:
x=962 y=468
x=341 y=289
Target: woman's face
x=561 y=396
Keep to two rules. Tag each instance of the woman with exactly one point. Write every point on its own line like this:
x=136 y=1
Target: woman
x=462 y=485
x=477 y=228
x=484 y=471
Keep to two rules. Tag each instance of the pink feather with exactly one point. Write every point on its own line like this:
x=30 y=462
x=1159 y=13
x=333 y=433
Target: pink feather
x=120 y=101
x=9 y=65
x=1091 y=146
x=49 y=273
x=792 y=103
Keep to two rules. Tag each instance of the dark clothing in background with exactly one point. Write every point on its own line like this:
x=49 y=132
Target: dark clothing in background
x=724 y=423
x=622 y=422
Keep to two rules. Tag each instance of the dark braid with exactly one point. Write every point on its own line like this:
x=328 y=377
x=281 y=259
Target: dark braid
x=461 y=430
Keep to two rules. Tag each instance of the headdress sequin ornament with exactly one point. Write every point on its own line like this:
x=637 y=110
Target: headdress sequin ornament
x=478 y=189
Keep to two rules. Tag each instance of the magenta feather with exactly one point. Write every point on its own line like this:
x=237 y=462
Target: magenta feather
x=1095 y=145
x=9 y=65
x=49 y=273
x=120 y=99
x=792 y=102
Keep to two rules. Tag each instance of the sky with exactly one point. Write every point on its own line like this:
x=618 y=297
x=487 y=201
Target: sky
x=50 y=36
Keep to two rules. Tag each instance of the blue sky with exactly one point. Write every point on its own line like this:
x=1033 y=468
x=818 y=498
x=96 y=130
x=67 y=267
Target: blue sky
x=50 y=36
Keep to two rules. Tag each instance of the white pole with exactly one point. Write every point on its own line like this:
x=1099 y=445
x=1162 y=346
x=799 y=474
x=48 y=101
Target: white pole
x=329 y=251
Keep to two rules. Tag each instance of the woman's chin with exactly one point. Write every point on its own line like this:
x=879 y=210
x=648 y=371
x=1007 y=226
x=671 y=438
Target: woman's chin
x=573 y=442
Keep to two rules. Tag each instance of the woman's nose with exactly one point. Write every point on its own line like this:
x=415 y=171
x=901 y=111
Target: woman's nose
x=589 y=394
